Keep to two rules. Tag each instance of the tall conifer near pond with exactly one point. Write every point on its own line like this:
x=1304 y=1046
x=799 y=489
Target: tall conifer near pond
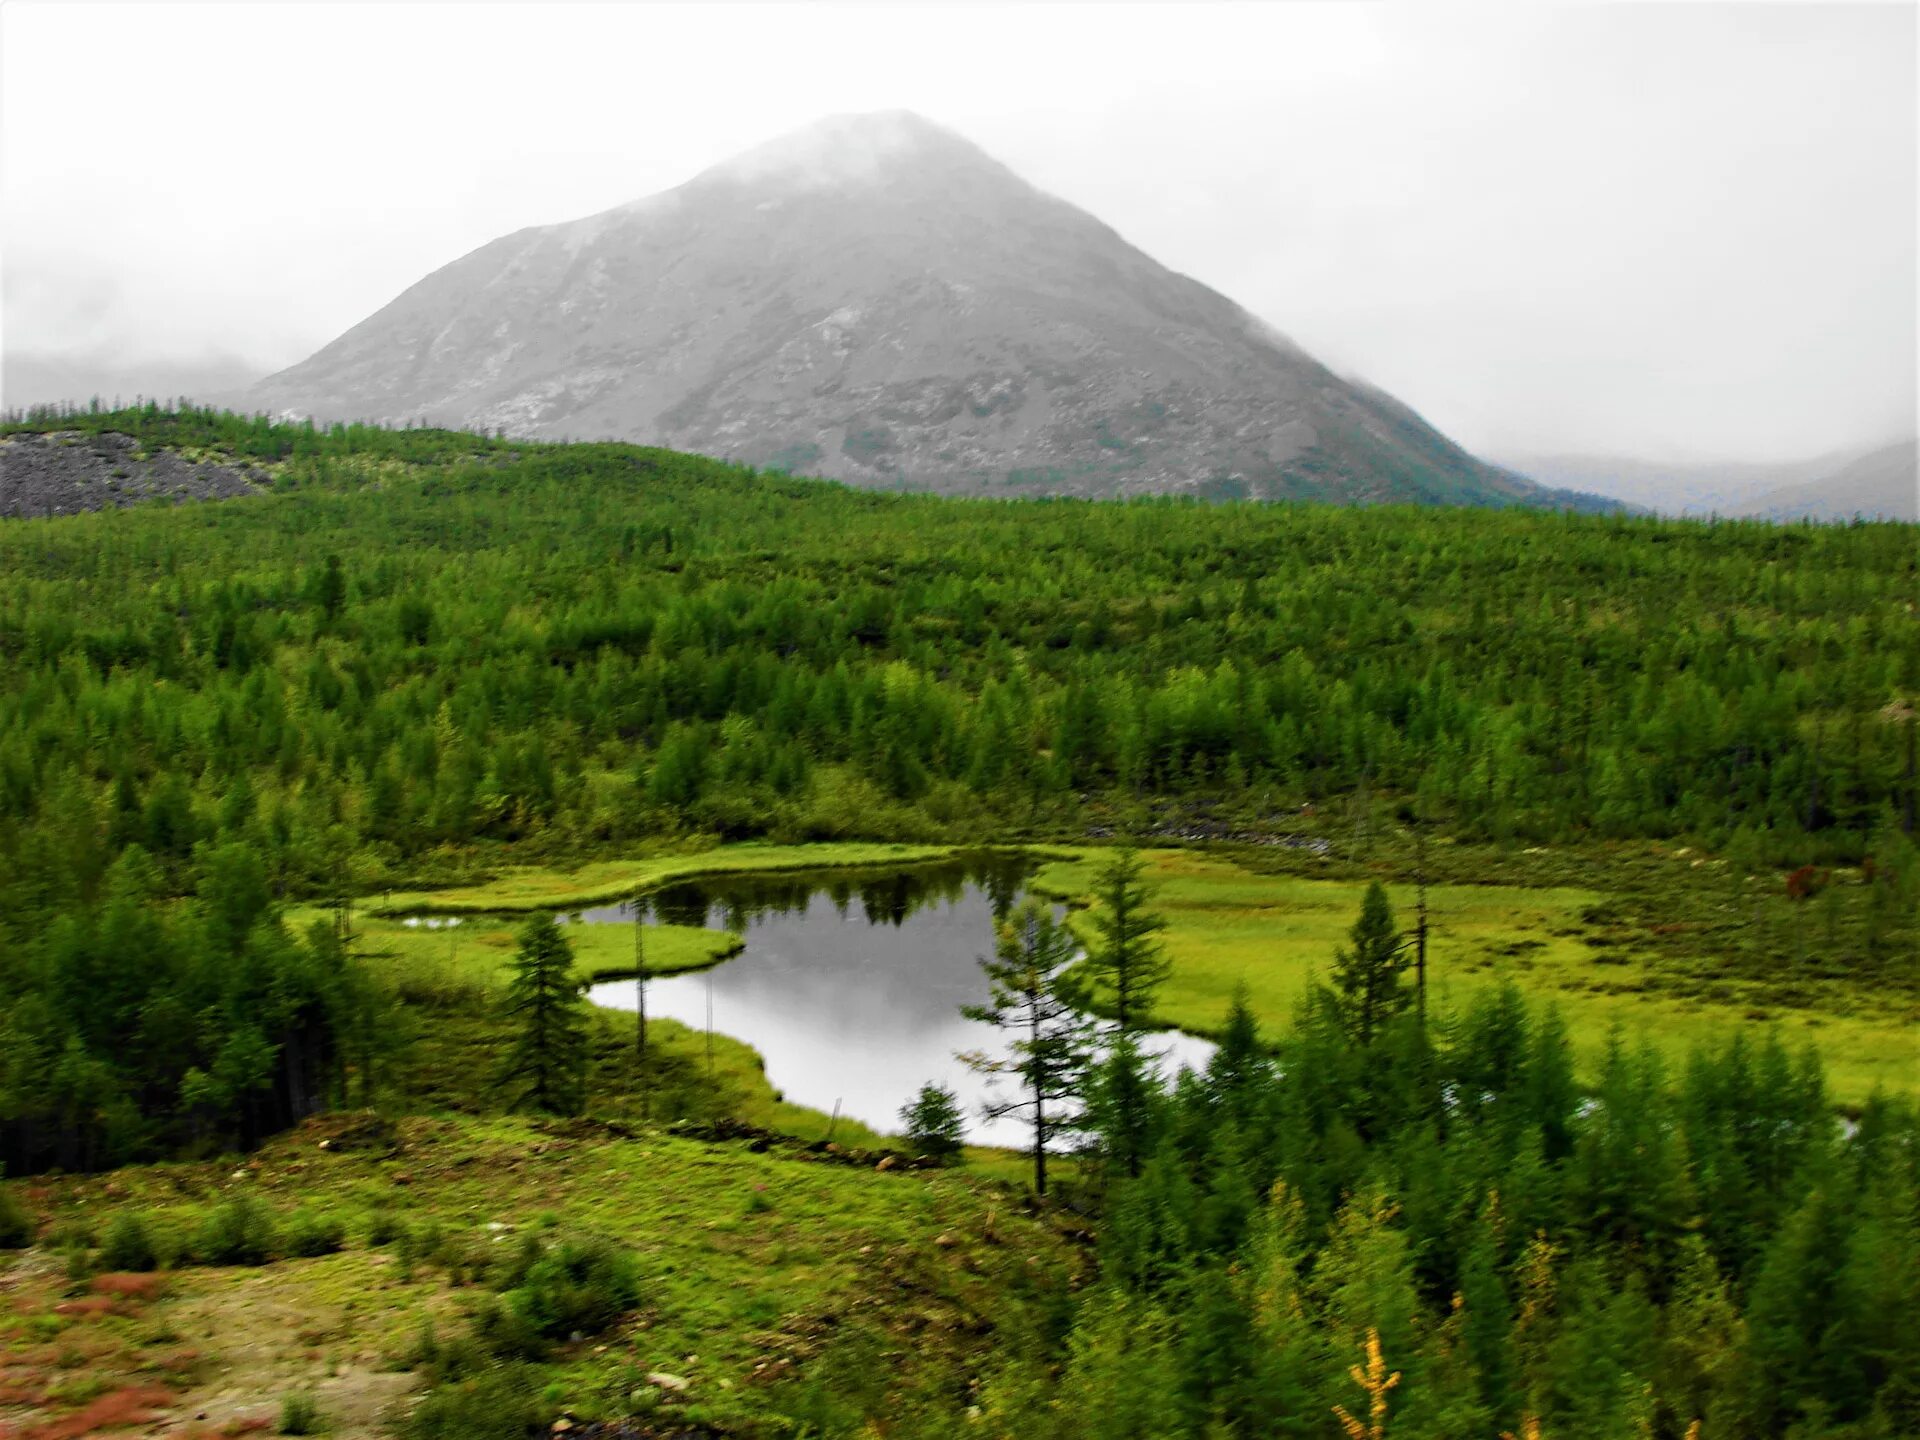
x=1029 y=998
x=1125 y=963
x=1367 y=988
x=548 y=1060
x=1123 y=970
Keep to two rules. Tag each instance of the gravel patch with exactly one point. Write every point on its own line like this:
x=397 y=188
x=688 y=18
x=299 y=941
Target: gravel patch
x=66 y=471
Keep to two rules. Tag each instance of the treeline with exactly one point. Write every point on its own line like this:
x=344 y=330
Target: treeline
x=1390 y=1225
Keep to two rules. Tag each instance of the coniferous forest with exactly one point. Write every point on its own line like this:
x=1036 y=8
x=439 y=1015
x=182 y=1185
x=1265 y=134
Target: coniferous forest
x=422 y=659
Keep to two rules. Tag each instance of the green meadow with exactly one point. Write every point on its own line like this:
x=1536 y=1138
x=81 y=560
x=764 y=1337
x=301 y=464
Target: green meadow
x=1227 y=925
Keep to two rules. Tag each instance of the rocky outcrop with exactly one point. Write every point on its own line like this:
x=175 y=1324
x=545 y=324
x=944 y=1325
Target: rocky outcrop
x=63 y=472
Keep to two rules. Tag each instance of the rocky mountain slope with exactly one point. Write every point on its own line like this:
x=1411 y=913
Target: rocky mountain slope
x=875 y=299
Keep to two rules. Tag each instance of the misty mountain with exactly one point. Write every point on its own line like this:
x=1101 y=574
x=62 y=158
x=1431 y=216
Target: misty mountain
x=1882 y=485
x=875 y=299
x=1833 y=486
x=1675 y=488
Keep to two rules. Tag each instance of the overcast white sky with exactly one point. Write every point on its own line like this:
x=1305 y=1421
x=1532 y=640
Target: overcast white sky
x=1672 y=231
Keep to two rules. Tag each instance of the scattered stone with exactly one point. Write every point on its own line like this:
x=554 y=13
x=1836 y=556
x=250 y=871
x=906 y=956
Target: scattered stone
x=672 y=1383
x=66 y=471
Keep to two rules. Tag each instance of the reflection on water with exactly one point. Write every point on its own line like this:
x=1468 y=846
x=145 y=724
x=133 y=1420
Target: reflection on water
x=850 y=985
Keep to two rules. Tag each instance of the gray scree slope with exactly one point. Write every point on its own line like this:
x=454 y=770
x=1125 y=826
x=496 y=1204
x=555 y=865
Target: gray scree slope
x=875 y=299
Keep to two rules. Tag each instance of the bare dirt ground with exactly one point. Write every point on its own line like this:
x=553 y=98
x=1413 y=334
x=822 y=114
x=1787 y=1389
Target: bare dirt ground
x=195 y=1353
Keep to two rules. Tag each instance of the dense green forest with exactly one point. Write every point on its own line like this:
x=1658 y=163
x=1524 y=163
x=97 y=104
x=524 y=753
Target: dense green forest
x=1433 y=1233
x=424 y=654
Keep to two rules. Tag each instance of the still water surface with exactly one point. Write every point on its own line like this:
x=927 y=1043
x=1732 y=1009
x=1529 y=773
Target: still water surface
x=851 y=984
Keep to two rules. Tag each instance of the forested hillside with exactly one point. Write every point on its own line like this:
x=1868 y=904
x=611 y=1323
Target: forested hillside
x=426 y=639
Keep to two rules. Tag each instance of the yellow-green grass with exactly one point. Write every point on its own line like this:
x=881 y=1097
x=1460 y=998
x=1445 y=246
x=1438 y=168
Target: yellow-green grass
x=1277 y=933
x=536 y=887
x=479 y=948
x=747 y=1261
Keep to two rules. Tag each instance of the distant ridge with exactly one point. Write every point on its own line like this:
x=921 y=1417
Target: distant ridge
x=876 y=299
x=1876 y=482
x=1881 y=485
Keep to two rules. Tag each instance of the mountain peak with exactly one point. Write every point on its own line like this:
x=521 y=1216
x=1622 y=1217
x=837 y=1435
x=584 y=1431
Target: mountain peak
x=875 y=299
x=849 y=150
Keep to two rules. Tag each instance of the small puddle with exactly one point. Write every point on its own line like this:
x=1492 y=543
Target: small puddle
x=850 y=984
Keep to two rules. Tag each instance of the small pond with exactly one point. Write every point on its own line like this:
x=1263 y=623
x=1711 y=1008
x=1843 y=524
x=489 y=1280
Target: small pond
x=850 y=984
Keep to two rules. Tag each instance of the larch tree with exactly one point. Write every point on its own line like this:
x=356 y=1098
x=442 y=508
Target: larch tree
x=1123 y=970
x=1125 y=964
x=1029 y=998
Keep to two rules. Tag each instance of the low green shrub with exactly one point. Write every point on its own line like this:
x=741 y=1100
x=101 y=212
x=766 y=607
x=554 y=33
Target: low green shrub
x=580 y=1284
x=505 y=1332
x=128 y=1244
x=313 y=1232
x=300 y=1415
x=440 y=1362
x=240 y=1232
x=498 y=1403
x=383 y=1228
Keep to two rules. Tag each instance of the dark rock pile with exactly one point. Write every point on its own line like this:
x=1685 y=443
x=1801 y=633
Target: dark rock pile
x=66 y=471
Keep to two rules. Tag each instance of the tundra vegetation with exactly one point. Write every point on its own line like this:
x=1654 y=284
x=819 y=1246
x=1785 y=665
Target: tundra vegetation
x=1641 y=792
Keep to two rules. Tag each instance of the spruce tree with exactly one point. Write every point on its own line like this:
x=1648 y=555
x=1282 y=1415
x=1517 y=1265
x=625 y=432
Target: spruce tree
x=1241 y=1067
x=548 y=1059
x=934 y=1125
x=1368 y=991
x=330 y=589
